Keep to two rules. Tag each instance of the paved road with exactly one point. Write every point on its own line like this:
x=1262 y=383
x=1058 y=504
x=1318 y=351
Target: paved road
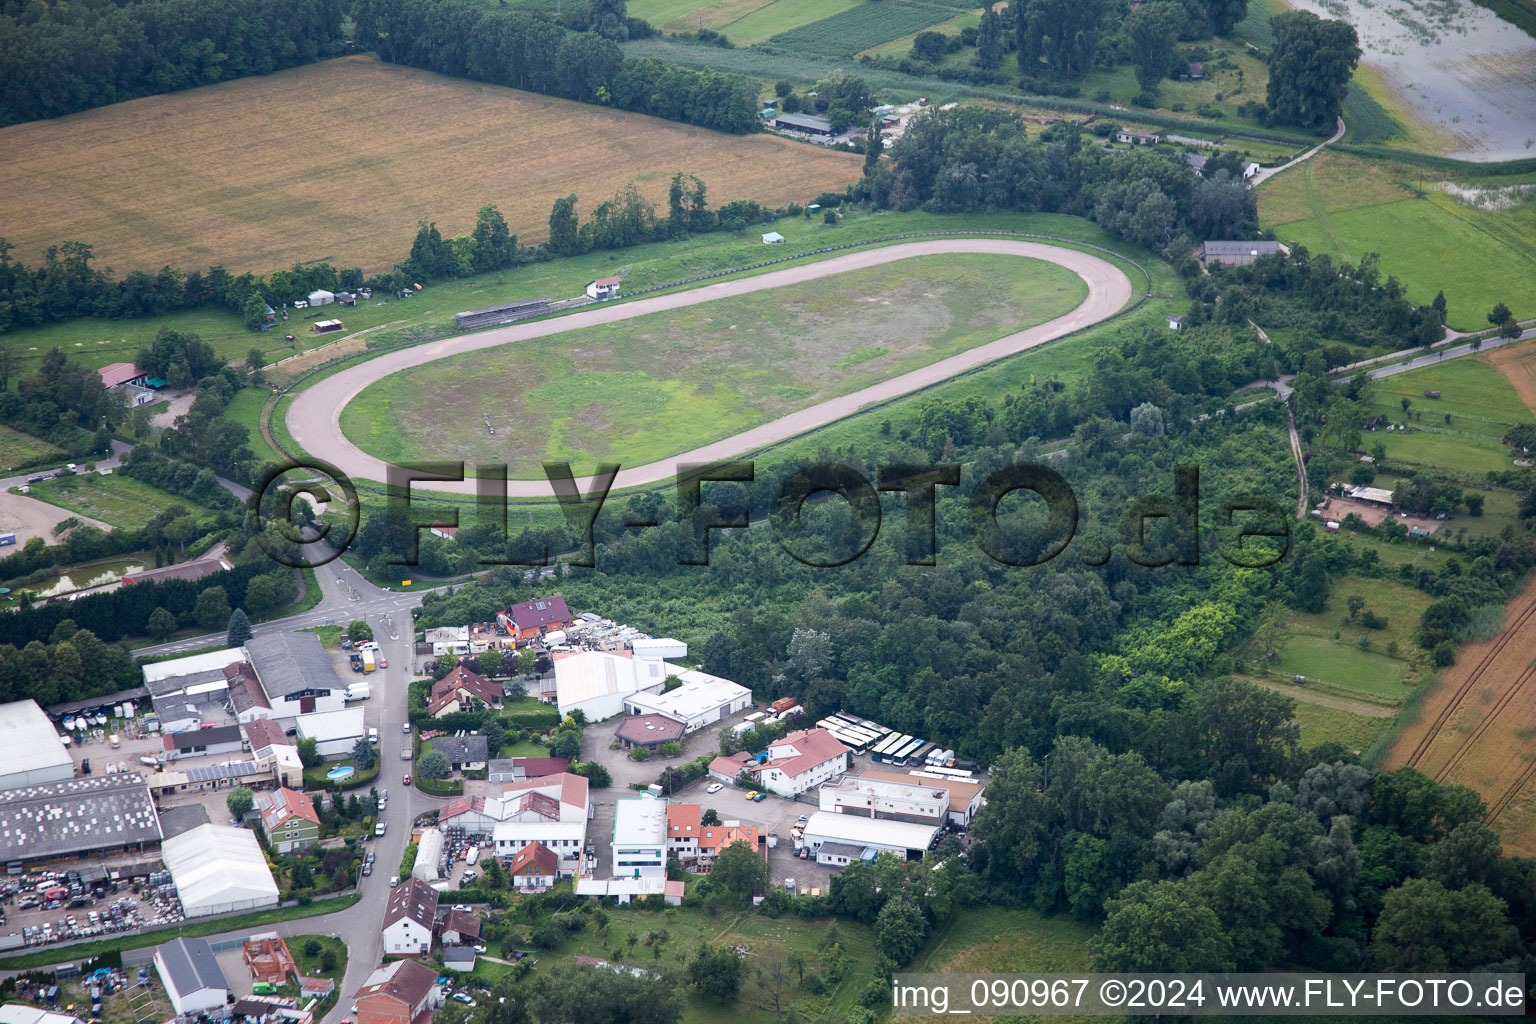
x=314 y=417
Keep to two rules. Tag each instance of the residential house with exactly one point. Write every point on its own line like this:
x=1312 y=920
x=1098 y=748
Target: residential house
x=403 y=992
x=289 y=820
x=409 y=919
x=459 y=927
x=1137 y=138
x=683 y=831
x=535 y=867
x=715 y=838
x=463 y=689
x=274 y=750
x=799 y=762
x=464 y=753
x=534 y=618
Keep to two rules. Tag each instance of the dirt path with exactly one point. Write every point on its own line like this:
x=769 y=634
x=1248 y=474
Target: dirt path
x=1263 y=174
x=314 y=417
x=1327 y=700
x=28 y=517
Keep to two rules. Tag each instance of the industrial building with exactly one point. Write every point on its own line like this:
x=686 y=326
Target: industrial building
x=1236 y=254
x=912 y=801
x=553 y=810
x=31 y=751
x=640 y=837
x=220 y=739
x=965 y=797
x=658 y=647
x=335 y=732
x=905 y=839
x=96 y=814
x=796 y=764
x=219 y=870
x=190 y=973
x=597 y=683
x=702 y=700
x=296 y=674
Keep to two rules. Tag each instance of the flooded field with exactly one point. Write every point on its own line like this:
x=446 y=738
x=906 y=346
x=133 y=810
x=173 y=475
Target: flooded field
x=1466 y=76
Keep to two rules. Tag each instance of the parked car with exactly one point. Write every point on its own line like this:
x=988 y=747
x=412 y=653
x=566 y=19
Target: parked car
x=394 y=880
x=405 y=727
x=715 y=787
x=749 y=795
x=378 y=829
x=383 y=662
x=367 y=868
x=406 y=779
x=759 y=797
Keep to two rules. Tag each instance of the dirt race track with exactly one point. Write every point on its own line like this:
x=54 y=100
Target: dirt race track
x=1478 y=725
x=314 y=417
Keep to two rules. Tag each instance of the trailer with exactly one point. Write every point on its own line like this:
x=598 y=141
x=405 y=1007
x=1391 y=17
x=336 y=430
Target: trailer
x=369 y=662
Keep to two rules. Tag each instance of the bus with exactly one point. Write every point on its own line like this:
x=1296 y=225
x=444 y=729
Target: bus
x=894 y=742
x=954 y=773
x=899 y=757
x=883 y=746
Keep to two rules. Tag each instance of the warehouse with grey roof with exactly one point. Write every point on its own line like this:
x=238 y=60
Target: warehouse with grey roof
x=96 y=814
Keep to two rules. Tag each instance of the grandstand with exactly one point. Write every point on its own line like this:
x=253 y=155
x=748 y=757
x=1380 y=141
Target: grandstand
x=506 y=313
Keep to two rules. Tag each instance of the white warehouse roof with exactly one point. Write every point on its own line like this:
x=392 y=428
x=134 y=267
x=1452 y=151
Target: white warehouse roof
x=700 y=694
x=211 y=661
x=218 y=869
x=857 y=830
x=31 y=751
x=658 y=647
x=581 y=677
x=322 y=726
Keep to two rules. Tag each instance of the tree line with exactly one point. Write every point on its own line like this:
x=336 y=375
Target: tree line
x=58 y=58
x=529 y=50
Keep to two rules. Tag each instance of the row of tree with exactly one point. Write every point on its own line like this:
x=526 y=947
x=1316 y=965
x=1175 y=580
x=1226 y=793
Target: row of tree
x=528 y=50
x=61 y=58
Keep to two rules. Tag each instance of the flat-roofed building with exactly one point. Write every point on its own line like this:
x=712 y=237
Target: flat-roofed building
x=640 y=837
x=913 y=801
x=701 y=700
x=95 y=814
x=965 y=797
x=31 y=751
x=903 y=838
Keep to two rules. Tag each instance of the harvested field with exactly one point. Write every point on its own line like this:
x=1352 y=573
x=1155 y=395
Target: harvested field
x=262 y=172
x=1518 y=364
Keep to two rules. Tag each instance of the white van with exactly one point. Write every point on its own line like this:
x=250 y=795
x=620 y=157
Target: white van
x=373 y=736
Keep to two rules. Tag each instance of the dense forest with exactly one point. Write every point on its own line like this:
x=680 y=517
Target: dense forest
x=59 y=58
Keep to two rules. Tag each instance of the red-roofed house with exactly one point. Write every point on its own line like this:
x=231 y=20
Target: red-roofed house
x=799 y=762
x=715 y=838
x=290 y=821
x=604 y=288
x=521 y=769
x=535 y=618
x=462 y=689
x=403 y=992
x=535 y=866
x=683 y=831
x=115 y=375
x=553 y=811
x=460 y=927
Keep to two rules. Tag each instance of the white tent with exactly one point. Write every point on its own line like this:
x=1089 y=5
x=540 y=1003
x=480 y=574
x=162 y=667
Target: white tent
x=218 y=869
x=321 y=297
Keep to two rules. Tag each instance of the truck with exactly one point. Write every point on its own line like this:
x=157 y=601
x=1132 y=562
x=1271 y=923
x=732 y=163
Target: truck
x=356 y=662
x=369 y=662
x=405 y=753
x=357 y=691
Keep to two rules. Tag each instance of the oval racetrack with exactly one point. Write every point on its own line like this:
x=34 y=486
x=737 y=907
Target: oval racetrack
x=314 y=417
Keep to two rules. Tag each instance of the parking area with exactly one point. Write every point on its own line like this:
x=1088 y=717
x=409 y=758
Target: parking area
x=68 y=909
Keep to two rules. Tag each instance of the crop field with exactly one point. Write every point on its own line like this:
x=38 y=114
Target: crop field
x=297 y=182
x=902 y=46
x=664 y=383
x=1428 y=239
x=117 y=500
x=1481 y=406
x=1369 y=123
x=862 y=27
x=782 y=16
x=18 y=449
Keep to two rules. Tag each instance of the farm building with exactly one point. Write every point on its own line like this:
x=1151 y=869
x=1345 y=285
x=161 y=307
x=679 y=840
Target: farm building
x=806 y=124
x=1137 y=138
x=191 y=975
x=604 y=288
x=1236 y=254
x=702 y=699
x=773 y=238
x=1372 y=495
x=443 y=531
x=219 y=870
x=327 y=326
x=30 y=750
x=1175 y=322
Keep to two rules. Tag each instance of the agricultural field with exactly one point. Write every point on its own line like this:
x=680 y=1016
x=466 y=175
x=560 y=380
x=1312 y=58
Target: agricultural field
x=667 y=382
x=1460 y=432
x=116 y=499
x=782 y=16
x=861 y=28
x=18 y=449
x=1325 y=646
x=902 y=46
x=294 y=183
x=1427 y=237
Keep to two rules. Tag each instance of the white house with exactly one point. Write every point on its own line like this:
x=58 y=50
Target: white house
x=535 y=866
x=640 y=837
x=965 y=798
x=795 y=764
x=553 y=810
x=596 y=683
x=191 y=976
x=702 y=699
x=408 y=919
